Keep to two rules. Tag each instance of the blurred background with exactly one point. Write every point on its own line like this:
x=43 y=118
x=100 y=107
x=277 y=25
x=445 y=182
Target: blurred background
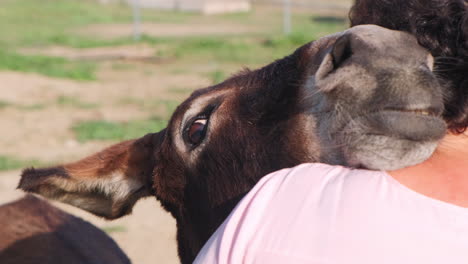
x=79 y=75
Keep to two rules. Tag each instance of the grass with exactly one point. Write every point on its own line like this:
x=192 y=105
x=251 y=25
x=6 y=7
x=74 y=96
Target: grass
x=223 y=49
x=82 y=41
x=69 y=101
x=248 y=49
x=116 y=131
x=27 y=23
x=49 y=66
x=151 y=104
x=217 y=76
x=114 y=229
x=31 y=107
x=170 y=105
x=11 y=163
x=180 y=90
x=27 y=107
x=77 y=41
x=24 y=23
x=106 y=130
x=4 y=104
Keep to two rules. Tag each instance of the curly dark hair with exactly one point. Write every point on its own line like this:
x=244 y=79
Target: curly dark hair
x=441 y=26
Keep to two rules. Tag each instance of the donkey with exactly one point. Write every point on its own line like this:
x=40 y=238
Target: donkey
x=34 y=231
x=365 y=97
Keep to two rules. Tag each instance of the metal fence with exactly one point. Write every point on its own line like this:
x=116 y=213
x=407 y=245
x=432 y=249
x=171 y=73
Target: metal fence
x=220 y=6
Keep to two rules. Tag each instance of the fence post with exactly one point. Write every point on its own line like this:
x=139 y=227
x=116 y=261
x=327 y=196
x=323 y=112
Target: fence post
x=136 y=20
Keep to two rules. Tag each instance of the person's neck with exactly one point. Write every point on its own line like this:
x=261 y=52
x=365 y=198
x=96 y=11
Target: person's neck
x=444 y=176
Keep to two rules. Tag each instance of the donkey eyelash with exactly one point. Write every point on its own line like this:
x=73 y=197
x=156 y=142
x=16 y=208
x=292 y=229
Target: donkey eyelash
x=205 y=114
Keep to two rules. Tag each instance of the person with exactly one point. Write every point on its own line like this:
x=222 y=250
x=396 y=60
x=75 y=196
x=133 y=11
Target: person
x=318 y=213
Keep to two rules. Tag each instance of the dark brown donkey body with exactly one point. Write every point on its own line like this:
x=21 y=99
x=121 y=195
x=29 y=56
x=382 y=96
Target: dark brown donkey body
x=365 y=97
x=33 y=231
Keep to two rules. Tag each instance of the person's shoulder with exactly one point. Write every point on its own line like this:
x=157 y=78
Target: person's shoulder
x=313 y=174
x=312 y=181
x=307 y=195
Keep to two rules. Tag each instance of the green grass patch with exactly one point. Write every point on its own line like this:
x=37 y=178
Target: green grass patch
x=50 y=66
x=106 y=130
x=254 y=48
x=295 y=39
x=31 y=107
x=114 y=229
x=170 y=105
x=78 y=41
x=217 y=76
x=24 y=23
x=181 y=90
x=218 y=49
x=4 y=104
x=11 y=163
x=70 y=101
x=83 y=42
x=151 y=105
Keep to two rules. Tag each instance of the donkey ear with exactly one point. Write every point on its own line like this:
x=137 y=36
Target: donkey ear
x=339 y=53
x=107 y=184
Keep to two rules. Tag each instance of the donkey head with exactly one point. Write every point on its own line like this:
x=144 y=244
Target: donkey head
x=378 y=102
x=365 y=97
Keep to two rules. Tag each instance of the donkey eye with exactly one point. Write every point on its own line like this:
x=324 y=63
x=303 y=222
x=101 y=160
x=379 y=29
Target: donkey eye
x=197 y=130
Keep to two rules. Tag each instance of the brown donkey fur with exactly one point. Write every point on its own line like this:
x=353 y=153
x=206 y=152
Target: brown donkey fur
x=34 y=231
x=365 y=97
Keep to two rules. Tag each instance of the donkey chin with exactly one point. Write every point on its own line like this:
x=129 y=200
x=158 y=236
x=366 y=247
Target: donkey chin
x=392 y=139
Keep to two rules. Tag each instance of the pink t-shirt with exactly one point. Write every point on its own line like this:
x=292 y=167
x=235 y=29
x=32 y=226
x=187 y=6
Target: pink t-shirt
x=317 y=213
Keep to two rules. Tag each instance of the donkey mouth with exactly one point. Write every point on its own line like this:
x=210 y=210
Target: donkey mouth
x=391 y=139
x=417 y=125
x=426 y=112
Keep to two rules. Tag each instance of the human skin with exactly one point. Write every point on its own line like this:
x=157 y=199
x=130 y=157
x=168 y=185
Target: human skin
x=444 y=176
